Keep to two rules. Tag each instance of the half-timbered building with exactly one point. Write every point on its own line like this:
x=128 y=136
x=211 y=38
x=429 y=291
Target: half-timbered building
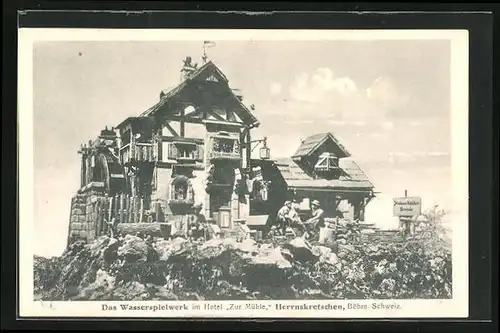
x=189 y=154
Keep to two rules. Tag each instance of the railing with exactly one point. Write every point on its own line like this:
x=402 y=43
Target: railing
x=142 y=152
x=227 y=148
x=220 y=155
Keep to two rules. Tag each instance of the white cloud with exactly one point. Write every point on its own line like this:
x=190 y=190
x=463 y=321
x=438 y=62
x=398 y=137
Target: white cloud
x=320 y=85
x=345 y=86
x=275 y=88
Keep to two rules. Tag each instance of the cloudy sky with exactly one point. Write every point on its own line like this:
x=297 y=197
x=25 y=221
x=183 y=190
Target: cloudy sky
x=387 y=101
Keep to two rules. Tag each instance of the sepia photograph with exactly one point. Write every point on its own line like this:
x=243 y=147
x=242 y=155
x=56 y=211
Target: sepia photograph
x=243 y=173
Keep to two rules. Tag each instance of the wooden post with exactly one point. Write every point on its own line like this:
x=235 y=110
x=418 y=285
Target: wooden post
x=122 y=210
x=181 y=123
x=157 y=211
x=110 y=207
x=141 y=212
x=135 y=210
x=130 y=208
x=116 y=209
x=402 y=222
x=248 y=150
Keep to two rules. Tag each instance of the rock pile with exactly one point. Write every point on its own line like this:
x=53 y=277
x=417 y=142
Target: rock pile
x=132 y=268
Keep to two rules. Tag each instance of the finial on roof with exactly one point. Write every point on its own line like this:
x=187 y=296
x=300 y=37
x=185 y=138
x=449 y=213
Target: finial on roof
x=206 y=43
x=187 y=69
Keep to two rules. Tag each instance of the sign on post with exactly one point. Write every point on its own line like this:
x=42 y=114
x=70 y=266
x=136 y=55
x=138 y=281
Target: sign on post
x=407 y=206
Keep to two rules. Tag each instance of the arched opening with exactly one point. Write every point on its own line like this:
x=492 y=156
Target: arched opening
x=181 y=190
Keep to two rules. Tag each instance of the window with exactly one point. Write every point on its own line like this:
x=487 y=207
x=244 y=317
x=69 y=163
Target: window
x=327 y=165
x=184 y=151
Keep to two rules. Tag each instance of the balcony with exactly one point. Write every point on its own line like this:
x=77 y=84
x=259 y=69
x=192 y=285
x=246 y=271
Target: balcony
x=137 y=152
x=224 y=148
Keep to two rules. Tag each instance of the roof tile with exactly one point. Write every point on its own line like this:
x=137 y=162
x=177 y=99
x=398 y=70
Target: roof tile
x=352 y=177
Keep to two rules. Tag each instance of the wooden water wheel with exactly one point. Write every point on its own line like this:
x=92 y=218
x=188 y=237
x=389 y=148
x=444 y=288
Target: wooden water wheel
x=111 y=173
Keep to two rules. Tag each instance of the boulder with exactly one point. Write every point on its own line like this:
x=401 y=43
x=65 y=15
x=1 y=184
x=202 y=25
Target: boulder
x=104 y=247
x=131 y=291
x=166 y=249
x=101 y=289
x=161 y=293
x=249 y=246
x=269 y=258
x=215 y=248
x=286 y=254
x=320 y=250
x=301 y=250
x=133 y=249
x=325 y=254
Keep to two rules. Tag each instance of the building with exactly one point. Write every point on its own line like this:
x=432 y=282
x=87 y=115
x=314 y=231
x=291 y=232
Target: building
x=190 y=154
x=190 y=149
x=321 y=169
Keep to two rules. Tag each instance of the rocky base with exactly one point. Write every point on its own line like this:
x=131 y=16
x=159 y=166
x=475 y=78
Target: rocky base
x=131 y=268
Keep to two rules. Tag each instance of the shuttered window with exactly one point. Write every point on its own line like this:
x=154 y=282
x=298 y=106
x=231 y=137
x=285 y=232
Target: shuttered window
x=199 y=154
x=172 y=151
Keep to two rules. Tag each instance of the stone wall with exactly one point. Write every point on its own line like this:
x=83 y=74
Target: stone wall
x=86 y=211
x=77 y=222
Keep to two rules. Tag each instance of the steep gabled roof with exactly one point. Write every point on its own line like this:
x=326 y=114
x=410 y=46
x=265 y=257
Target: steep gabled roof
x=352 y=176
x=205 y=70
x=313 y=142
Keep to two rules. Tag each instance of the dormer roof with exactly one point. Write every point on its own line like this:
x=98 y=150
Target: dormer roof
x=310 y=144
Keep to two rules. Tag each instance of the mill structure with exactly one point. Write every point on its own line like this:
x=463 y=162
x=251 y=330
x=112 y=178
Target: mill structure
x=189 y=154
x=189 y=157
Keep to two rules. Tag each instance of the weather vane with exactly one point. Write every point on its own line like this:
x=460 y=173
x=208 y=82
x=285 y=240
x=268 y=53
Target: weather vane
x=206 y=44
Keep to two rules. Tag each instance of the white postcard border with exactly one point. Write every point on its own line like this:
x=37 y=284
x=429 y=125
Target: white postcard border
x=456 y=307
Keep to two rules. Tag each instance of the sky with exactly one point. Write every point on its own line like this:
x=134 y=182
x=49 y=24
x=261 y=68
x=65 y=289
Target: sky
x=388 y=102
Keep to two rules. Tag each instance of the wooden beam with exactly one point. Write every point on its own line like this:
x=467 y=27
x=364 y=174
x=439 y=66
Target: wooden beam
x=169 y=165
x=216 y=116
x=160 y=144
x=171 y=129
x=248 y=150
x=190 y=120
x=173 y=138
x=182 y=127
x=151 y=229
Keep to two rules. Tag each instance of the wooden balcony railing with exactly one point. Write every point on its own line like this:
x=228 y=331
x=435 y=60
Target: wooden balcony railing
x=140 y=152
x=221 y=155
x=224 y=149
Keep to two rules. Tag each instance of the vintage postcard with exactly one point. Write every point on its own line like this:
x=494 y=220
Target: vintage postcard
x=243 y=173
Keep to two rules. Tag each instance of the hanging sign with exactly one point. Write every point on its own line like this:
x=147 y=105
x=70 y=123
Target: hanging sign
x=407 y=206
